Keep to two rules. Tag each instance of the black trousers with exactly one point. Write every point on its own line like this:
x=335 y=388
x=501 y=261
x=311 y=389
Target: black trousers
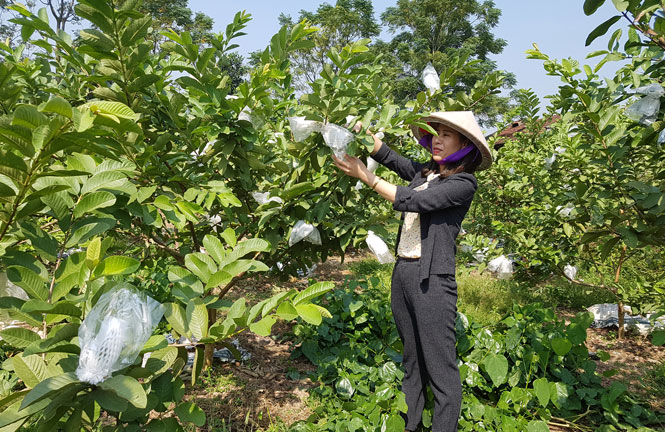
x=425 y=318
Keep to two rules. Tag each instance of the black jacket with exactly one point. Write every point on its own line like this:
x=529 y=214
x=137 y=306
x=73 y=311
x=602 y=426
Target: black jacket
x=442 y=207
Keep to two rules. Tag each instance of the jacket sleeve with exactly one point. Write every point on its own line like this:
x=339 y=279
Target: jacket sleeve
x=456 y=190
x=405 y=168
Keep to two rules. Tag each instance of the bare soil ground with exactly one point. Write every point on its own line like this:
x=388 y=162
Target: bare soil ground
x=262 y=392
x=270 y=391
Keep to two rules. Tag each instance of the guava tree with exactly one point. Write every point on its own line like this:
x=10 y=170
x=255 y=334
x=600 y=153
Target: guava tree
x=593 y=183
x=83 y=209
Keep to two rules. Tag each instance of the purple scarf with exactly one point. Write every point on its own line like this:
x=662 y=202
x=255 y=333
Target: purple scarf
x=426 y=141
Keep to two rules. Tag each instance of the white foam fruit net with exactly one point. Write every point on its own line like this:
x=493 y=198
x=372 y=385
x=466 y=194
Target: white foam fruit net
x=114 y=332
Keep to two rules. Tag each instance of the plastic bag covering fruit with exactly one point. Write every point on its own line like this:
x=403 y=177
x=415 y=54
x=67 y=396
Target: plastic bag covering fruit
x=301 y=128
x=264 y=197
x=304 y=231
x=115 y=330
x=502 y=266
x=431 y=78
x=379 y=248
x=550 y=160
x=337 y=138
x=570 y=271
x=646 y=109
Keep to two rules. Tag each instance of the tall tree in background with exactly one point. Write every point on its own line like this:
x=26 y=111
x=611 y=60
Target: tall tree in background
x=176 y=15
x=62 y=11
x=339 y=25
x=440 y=31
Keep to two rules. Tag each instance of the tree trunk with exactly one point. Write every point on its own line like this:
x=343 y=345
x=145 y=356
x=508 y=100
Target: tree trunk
x=617 y=276
x=209 y=347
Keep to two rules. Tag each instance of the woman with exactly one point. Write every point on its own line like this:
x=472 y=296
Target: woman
x=424 y=291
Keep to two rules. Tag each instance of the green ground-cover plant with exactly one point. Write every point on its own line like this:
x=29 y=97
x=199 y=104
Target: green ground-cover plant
x=526 y=371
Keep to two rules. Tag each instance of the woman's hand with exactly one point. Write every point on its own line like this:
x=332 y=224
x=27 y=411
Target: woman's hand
x=352 y=166
x=357 y=128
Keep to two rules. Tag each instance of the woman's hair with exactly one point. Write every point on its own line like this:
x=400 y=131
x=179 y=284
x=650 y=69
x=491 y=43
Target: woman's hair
x=468 y=163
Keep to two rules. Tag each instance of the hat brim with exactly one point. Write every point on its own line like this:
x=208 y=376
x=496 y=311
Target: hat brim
x=472 y=132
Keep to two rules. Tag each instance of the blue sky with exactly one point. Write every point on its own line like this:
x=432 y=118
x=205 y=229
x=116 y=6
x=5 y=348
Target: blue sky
x=558 y=27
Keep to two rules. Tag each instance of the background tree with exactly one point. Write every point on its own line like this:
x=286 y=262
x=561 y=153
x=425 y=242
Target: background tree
x=441 y=31
x=339 y=25
x=62 y=11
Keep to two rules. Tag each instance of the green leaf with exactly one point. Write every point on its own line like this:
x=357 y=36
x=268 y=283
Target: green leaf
x=117 y=265
x=28 y=116
x=245 y=247
x=115 y=109
x=658 y=337
x=287 y=311
x=93 y=253
x=109 y=401
x=31 y=369
x=145 y=192
x=30 y=281
x=58 y=341
x=154 y=343
x=93 y=201
x=50 y=387
x=542 y=389
x=296 y=190
x=218 y=279
x=126 y=388
x=57 y=105
x=199 y=357
x=214 y=248
x=309 y=313
x=60 y=308
x=394 y=423
x=161 y=360
x=190 y=413
x=591 y=6
x=537 y=426
x=312 y=292
x=229 y=237
x=175 y=315
x=197 y=264
x=40 y=240
x=197 y=318
x=608 y=246
x=621 y=5
x=604 y=355
x=105 y=179
x=601 y=29
x=87 y=228
x=263 y=326
x=496 y=366
x=561 y=346
x=19 y=337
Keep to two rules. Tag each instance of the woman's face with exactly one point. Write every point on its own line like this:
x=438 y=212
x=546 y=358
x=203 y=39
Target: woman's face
x=447 y=142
